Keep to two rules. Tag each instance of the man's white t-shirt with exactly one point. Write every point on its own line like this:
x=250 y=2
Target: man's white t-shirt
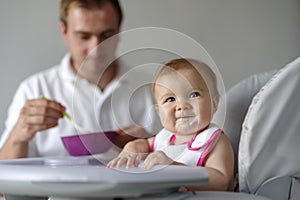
x=126 y=101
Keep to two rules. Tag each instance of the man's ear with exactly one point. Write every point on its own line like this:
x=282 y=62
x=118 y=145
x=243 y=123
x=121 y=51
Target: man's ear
x=63 y=31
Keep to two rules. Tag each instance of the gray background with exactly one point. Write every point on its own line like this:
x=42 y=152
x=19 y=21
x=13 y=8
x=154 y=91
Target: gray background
x=243 y=37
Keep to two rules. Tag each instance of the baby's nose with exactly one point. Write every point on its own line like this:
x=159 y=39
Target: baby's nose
x=182 y=106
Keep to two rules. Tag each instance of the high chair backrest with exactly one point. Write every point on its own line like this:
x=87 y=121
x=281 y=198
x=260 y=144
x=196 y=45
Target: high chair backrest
x=269 y=148
x=235 y=106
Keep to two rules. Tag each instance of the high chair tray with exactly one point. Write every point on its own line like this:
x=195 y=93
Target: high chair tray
x=87 y=177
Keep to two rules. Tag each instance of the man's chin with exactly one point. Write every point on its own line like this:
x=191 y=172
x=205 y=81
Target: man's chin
x=98 y=62
x=95 y=66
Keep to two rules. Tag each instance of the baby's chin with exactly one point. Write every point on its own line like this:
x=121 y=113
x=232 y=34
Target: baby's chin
x=187 y=125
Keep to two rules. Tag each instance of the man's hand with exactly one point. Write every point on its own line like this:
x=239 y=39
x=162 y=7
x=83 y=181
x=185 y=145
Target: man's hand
x=36 y=115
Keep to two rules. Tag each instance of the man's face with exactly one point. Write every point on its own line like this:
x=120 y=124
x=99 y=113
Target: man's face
x=85 y=30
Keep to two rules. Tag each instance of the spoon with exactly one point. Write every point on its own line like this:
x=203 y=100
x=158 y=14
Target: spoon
x=77 y=126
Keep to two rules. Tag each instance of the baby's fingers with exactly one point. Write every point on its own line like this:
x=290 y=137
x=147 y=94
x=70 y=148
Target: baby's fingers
x=121 y=161
x=133 y=160
x=112 y=163
x=149 y=162
x=128 y=161
x=117 y=162
x=138 y=160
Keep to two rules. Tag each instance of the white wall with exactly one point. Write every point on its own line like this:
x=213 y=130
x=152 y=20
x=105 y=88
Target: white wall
x=242 y=36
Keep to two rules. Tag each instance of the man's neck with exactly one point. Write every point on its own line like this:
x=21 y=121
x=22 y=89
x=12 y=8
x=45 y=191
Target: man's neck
x=106 y=77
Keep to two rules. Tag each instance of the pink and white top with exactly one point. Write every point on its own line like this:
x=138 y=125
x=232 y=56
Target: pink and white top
x=191 y=153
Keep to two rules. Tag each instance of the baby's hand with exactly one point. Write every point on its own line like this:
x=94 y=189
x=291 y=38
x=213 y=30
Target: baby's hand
x=131 y=154
x=156 y=158
x=125 y=158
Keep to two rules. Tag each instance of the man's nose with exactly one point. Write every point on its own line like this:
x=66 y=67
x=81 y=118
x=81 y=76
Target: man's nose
x=94 y=48
x=95 y=41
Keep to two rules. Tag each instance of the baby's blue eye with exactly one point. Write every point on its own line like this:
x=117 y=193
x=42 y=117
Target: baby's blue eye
x=170 y=99
x=194 y=94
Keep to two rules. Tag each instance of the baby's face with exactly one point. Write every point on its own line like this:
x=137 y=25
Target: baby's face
x=183 y=102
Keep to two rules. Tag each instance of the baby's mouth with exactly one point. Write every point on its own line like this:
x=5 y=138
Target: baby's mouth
x=186 y=119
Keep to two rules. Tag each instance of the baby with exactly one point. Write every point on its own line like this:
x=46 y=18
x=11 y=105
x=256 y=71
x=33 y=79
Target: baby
x=186 y=96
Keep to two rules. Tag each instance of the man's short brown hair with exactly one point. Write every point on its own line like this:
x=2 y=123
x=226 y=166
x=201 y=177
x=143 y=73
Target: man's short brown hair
x=88 y=4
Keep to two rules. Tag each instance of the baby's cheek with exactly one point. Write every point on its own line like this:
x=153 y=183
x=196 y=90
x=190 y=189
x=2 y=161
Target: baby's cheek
x=163 y=119
x=162 y=114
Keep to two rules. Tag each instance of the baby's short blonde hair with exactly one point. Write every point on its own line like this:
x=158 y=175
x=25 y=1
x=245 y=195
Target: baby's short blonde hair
x=187 y=63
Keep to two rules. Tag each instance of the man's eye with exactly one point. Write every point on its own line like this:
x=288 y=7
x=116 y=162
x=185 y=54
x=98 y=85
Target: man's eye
x=170 y=99
x=194 y=94
x=84 y=37
x=106 y=36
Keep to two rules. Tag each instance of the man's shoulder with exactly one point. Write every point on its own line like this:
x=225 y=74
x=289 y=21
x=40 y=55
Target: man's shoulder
x=51 y=73
x=47 y=74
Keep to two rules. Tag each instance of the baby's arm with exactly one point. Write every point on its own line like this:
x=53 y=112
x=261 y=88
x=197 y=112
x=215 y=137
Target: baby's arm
x=132 y=154
x=219 y=165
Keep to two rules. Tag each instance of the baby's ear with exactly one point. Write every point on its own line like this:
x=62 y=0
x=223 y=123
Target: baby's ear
x=156 y=106
x=215 y=103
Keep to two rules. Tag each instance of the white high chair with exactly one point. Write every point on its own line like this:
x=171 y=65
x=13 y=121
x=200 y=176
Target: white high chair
x=269 y=163
x=265 y=135
x=238 y=100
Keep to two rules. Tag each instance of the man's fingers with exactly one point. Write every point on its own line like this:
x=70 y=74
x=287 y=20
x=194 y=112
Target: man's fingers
x=42 y=111
x=45 y=103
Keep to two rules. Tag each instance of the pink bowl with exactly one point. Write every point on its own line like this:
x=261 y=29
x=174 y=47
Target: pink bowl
x=89 y=143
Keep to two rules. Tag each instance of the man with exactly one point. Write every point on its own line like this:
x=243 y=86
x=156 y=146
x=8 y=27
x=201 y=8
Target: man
x=86 y=84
